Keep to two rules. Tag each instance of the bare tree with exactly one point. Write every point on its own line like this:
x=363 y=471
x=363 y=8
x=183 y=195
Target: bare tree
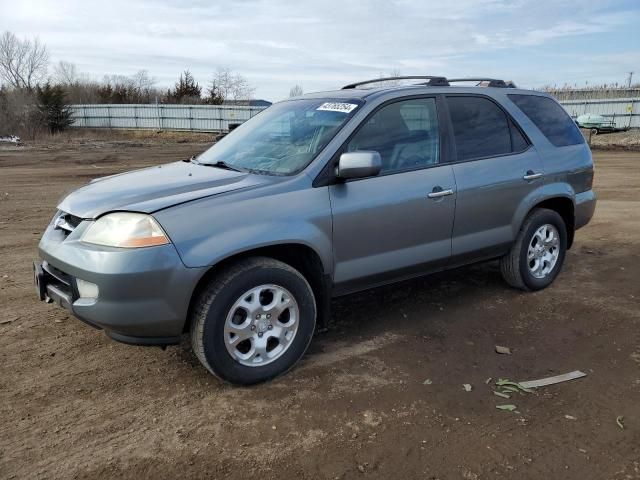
x=18 y=115
x=142 y=81
x=391 y=74
x=144 y=86
x=78 y=86
x=296 y=91
x=23 y=63
x=137 y=88
x=227 y=85
x=65 y=73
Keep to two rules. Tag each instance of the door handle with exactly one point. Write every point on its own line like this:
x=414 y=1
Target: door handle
x=439 y=192
x=530 y=175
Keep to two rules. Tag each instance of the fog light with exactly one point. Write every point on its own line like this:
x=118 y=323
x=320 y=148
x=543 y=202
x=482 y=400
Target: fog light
x=87 y=289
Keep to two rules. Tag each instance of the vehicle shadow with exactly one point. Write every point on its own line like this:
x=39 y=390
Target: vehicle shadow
x=398 y=307
x=437 y=291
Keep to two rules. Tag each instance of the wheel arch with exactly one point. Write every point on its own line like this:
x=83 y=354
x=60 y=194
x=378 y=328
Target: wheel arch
x=297 y=255
x=564 y=206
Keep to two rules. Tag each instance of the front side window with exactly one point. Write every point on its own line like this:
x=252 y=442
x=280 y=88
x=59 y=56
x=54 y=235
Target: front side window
x=552 y=120
x=480 y=127
x=404 y=133
x=284 y=138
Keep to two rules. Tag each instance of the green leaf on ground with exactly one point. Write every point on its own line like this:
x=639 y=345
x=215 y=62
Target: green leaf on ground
x=508 y=383
x=509 y=407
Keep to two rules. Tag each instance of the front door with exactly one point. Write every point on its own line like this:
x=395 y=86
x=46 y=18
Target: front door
x=398 y=223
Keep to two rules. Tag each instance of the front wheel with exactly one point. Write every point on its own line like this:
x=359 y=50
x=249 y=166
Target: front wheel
x=536 y=257
x=253 y=321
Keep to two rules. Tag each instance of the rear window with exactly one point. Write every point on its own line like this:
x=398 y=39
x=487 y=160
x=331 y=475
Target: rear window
x=552 y=120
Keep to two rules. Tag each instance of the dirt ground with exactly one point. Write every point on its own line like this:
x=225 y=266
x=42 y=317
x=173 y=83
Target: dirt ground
x=74 y=404
x=629 y=140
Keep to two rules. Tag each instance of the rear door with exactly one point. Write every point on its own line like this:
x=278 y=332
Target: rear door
x=397 y=223
x=495 y=168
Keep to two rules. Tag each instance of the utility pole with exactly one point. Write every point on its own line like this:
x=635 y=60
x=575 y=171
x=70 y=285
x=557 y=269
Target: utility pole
x=630 y=77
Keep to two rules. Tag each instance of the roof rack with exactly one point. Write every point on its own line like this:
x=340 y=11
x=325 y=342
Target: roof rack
x=432 y=81
x=435 y=81
x=485 y=82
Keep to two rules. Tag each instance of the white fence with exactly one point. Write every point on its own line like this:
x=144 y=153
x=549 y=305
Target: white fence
x=200 y=118
x=625 y=112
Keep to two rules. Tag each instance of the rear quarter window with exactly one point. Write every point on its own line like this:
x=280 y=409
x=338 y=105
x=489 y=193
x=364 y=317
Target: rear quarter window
x=552 y=120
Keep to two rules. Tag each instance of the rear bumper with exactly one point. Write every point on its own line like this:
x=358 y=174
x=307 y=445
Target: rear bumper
x=144 y=293
x=585 y=206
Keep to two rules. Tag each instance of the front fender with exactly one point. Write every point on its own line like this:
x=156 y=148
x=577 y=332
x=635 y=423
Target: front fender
x=212 y=250
x=208 y=231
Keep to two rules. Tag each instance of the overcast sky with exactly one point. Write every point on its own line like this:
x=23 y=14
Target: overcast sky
x=324 y=44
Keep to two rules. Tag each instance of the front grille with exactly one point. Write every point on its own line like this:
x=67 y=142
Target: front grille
x=66 y=222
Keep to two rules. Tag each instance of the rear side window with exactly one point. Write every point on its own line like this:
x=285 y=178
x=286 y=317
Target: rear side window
x=481 y=129
x=518 y=140
x=552 y=120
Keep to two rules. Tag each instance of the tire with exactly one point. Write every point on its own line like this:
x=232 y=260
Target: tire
x=518 y=270
x=253 y=285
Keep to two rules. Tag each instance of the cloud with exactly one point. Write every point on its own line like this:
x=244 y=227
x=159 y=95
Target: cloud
x=320 y=44
x=570 y=28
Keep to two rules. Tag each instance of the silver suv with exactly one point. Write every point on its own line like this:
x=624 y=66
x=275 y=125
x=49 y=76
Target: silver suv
x=318 y=196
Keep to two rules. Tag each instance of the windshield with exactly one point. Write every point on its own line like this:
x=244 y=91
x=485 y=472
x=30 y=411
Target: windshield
x=284 y=138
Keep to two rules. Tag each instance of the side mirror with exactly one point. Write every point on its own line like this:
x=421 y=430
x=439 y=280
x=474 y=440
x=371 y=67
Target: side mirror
x=358 y=165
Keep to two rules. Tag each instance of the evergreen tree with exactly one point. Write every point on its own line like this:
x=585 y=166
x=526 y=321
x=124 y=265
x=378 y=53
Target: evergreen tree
x=216 y=96
x=186 y=88
x=53 y=108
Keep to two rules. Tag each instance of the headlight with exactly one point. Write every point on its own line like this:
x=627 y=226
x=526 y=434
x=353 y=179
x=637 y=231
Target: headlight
x=126 y=230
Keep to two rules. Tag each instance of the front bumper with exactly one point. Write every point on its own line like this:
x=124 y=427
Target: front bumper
x=144 y=293
x=53 y=288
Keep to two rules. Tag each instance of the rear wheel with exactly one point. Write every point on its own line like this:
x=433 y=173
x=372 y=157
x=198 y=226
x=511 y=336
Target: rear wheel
x=253 y=321
x=536 y=257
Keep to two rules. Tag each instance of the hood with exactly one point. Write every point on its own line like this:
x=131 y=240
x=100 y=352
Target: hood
x=155 y=188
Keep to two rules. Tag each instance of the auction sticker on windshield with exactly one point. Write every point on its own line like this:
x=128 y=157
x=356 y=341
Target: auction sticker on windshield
x=338 y=107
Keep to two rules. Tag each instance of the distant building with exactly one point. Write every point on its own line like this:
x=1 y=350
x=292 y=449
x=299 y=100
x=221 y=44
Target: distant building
x=249 y=103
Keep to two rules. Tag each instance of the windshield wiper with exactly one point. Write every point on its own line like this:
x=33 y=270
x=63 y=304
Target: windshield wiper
x=219 y=164
x=222 y=164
